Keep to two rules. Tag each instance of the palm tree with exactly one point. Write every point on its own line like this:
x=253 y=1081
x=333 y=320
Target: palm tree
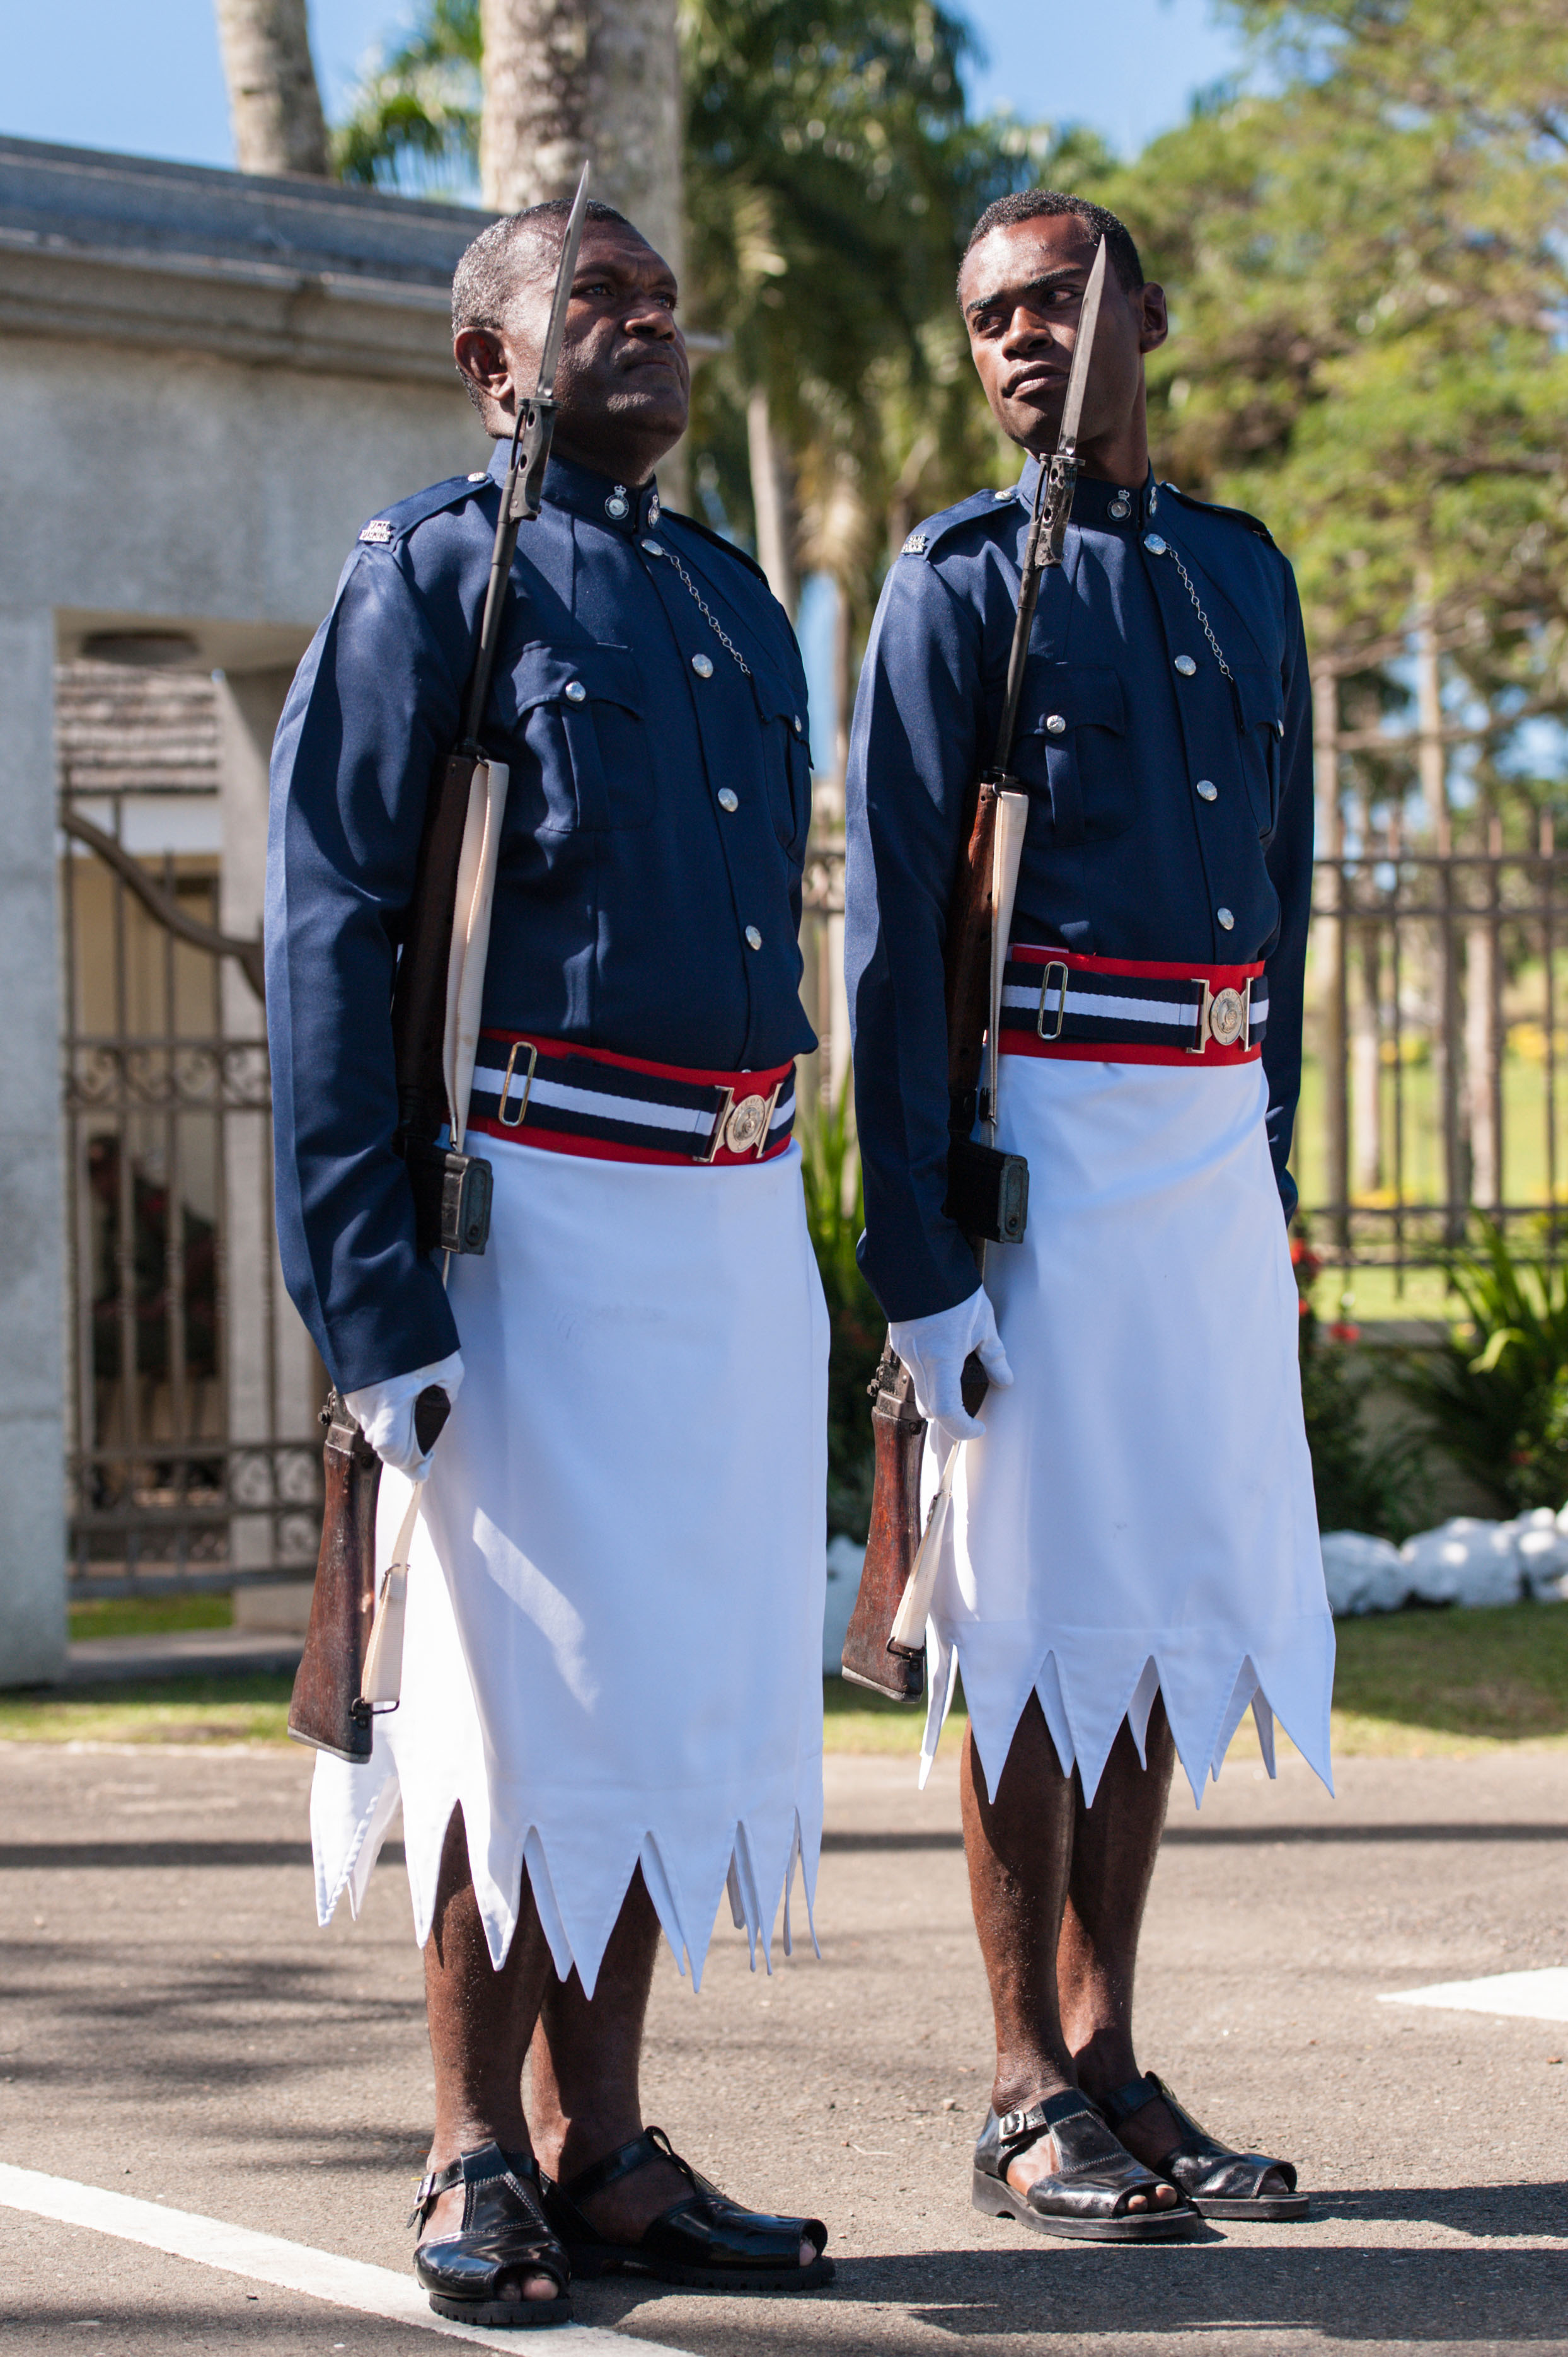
x=274 y=102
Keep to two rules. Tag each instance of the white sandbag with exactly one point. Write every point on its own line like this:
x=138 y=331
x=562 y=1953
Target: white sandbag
x=1540 y=1544
x=1363 y=1574
x=1465 y=1561
x=845 y=1562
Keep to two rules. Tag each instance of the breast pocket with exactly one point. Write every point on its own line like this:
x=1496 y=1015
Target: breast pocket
x=1259 y=718
x=1071 y=751
x=579 y=712
x=786 y=760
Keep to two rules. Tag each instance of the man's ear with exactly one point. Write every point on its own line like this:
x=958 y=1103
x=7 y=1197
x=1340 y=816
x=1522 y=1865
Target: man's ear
x=1153 y=319
x=480 y=358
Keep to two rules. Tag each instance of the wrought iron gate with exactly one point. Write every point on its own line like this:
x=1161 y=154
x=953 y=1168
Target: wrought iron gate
x=192 y=1462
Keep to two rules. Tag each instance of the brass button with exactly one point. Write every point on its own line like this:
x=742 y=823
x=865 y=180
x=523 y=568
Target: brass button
x=701 y=666
x=652 y=548
x=575 y=692
x=1154 y=543
x=1186 y=665
x=1208 y=791
x=1055 y=723
x=754 y=939
x=1226 y=919
x=729 y=798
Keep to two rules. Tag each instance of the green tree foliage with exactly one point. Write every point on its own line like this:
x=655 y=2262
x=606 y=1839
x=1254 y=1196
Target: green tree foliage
x=1371 y=284
x=415 y=123
x=836 y=1214
x=1495 y=1395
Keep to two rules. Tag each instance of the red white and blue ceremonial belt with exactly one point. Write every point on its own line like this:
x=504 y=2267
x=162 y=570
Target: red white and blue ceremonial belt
x=1109 y=1010
x=613 y=1108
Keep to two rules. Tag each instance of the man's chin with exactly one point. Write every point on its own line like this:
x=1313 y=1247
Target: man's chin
x=1033 y=424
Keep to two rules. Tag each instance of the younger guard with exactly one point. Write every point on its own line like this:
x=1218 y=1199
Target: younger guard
x=1134 y=1557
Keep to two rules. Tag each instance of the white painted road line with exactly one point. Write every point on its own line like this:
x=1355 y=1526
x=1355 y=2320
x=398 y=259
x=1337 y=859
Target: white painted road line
x=288 y=2267
x=1532 y=1996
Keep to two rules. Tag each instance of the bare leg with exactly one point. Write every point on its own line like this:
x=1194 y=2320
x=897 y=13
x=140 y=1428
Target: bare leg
x=480 y=2022
x=583 y=2095
x=1114 y=1847
x=1020 y=1851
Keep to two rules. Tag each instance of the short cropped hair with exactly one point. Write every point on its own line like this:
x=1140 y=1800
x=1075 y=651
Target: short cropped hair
x=487 y=276
x=1037 y=204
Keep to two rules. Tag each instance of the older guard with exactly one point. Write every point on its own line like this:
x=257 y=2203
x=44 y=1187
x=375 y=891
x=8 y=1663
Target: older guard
x=611 y=1700
x=1134 y=1556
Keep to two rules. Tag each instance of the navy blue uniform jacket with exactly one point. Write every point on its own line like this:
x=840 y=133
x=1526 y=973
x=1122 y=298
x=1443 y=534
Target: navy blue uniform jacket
x=627 y=892
x=1170 y=817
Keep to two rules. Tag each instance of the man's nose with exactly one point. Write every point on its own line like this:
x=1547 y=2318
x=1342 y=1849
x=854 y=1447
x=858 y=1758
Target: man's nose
x=653 y=319
x=1026 y=333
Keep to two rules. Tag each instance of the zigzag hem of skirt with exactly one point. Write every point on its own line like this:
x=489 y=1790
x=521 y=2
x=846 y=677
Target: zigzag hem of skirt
x=757 y=1877
x=1289 y=1683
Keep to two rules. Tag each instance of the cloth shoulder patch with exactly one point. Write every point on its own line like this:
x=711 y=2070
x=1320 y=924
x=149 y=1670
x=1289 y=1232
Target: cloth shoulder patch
x=916 y=545
x=379 y=532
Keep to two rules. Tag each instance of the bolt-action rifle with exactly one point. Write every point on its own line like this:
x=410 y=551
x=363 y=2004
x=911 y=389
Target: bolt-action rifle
x=354 y=1650
x=988 y=1190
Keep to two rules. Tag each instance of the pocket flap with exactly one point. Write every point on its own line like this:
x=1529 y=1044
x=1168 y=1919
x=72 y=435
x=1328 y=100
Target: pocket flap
x=777 y=700
x=545 y=675
x=1083 y=696
x=1262 y=697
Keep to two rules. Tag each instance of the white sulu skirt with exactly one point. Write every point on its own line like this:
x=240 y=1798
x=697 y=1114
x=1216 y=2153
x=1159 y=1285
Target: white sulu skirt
x=1139 y=1517
x=613 y=1650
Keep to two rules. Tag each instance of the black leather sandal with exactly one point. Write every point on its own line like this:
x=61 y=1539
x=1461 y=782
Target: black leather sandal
x=476 y=2277
x=703 y=2240
x=1086 y=2197
x=1219 y=2183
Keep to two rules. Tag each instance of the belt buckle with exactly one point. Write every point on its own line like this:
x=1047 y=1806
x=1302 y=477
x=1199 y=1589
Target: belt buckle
x=743 y=1128
x=527 y=1084
x=1053 y=965
x=1224 y=1016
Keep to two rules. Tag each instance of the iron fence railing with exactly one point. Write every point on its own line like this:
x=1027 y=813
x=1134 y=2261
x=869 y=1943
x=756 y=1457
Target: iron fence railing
x=1436 y=1051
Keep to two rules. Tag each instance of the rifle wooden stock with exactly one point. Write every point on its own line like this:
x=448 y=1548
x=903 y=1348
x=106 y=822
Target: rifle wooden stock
x=898 y=1431
x=325 y=1708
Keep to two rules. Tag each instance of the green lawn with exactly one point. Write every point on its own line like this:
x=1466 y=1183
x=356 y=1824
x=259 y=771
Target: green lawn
x=1409 y=1684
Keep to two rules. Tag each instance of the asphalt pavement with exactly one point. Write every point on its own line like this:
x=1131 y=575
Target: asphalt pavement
x=175 y=2028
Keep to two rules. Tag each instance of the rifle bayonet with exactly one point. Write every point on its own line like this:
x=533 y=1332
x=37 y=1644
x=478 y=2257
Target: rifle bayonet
x=531 y=440
x=1054 y=489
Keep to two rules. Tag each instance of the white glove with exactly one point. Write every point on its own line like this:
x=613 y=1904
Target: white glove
x=385 y=1414
x=934 y=1349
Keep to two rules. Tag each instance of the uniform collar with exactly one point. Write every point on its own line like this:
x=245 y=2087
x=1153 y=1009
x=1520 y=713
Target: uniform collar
x=598 y=499
x=1106 y=507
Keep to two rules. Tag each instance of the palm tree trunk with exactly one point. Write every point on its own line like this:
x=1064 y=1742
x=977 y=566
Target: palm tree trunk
x=771 y=502
x=566 y=79
x=274 y=102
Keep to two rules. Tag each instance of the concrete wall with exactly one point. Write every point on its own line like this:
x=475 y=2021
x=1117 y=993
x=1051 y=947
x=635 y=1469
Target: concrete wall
x=198 y=493
x=32 y=1176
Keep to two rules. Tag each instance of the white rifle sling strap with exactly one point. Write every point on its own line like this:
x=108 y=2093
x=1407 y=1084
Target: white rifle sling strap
x=471 y=937
x=380 y=1683
x=1007 y=850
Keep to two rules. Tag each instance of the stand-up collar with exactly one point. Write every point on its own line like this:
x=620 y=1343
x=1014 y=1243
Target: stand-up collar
x=1104 y=507
x=598 y=499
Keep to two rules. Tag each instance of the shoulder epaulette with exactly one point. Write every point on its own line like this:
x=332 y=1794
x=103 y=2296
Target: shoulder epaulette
x=926 y=538
x=394 y=523
x=1212 y=507
x=679 y=515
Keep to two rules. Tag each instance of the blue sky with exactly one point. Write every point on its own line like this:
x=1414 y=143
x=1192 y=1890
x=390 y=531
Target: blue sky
x=100 y=73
